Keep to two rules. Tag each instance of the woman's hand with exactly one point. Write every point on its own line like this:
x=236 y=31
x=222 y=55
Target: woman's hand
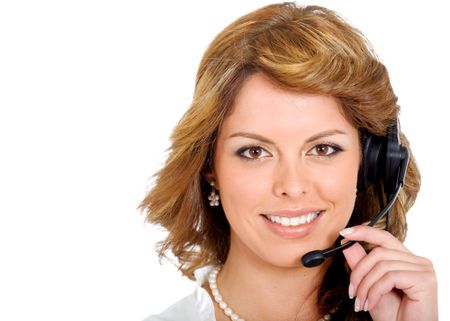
x=390 y=282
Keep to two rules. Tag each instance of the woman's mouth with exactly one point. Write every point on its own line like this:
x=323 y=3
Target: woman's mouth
x=290 y=225
x=293 y=221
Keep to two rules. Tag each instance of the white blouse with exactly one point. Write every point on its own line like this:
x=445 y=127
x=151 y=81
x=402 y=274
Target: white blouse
x=197 y=306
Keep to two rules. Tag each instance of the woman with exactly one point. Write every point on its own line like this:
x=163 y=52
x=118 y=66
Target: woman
x=265 y=167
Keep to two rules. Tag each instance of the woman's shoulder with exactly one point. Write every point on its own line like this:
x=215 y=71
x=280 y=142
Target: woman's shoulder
x=196 y=306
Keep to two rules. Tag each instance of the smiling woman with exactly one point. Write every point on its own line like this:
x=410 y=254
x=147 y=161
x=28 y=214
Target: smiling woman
x=297 y=148
x=264 y=167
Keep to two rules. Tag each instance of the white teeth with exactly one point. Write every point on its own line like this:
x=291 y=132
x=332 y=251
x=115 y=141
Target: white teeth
x=293 y=221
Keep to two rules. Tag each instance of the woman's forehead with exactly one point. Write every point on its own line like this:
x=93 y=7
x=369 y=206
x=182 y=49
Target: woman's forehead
x=261 y=103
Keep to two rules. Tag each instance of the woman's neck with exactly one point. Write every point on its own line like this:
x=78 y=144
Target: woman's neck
x=258 y=290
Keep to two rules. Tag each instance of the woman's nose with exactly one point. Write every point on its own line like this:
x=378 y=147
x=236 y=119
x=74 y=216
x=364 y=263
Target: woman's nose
x=291 y=180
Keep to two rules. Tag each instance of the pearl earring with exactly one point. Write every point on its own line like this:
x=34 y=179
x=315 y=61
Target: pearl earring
x=213 y=196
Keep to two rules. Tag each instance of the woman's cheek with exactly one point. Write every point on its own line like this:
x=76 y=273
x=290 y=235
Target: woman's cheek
x=339 y=188
x=243 y=189
x=336 y=187
x=242 y=184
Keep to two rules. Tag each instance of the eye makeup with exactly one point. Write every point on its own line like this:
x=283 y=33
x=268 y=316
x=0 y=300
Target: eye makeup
x=335 y=147
x=252 y=152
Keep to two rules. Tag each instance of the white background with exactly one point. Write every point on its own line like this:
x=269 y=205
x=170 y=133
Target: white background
x=89 y=93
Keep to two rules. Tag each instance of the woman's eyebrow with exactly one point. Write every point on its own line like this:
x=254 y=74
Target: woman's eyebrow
x=252 y=136
x=324 y=134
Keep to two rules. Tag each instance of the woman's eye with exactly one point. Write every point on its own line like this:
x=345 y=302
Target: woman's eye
x=325 y=150
x=253 y=152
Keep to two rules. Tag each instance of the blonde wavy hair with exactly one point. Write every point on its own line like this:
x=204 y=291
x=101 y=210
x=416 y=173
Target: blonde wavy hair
x=306 y=49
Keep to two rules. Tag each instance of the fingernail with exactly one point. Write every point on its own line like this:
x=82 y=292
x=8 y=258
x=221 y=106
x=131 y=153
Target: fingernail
x=366 y=306
x=356 y=304
x=347 y=231
x=343 y=241
x=351 y=291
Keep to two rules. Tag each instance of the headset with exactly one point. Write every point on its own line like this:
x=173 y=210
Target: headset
x=384 y=160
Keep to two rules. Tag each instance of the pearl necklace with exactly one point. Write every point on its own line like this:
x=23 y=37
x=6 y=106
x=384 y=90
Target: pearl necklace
x=212 y=279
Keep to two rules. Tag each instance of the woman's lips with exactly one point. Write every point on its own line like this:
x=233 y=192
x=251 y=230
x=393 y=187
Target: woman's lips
x=292 y=226
x=293 y=220
x=294 y=212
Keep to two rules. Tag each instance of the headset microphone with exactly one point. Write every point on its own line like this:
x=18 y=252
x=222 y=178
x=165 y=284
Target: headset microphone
x=384 y=159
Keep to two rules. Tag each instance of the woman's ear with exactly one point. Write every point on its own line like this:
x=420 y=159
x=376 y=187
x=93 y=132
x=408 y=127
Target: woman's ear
x=210 y=177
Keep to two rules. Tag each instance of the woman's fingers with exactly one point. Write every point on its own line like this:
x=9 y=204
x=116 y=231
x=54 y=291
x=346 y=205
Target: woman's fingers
x=354 y=254
x=388 y=275
x=413 y=283
x=373 y=236
x=382 y=260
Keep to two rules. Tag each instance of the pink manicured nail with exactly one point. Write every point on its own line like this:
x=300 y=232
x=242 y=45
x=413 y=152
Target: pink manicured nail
x=357 y=309
x=347 y=231
x=351 y=291
x=366 y=305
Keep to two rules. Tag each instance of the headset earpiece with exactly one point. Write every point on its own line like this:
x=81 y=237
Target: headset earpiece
x=384 y=160
x=397 y=157
x=373 y=151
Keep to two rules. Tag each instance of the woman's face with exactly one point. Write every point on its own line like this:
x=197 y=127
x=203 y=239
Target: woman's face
x=286 y=167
